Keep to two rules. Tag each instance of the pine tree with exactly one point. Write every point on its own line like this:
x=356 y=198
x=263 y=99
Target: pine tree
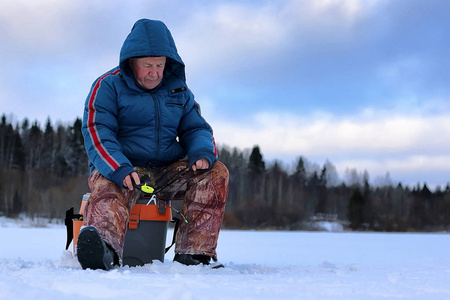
x=355 y=212
x=18 y=159
x=49 y=153
x=33 y=147
x=299 y=175
x=256 y=163
x=75 y=153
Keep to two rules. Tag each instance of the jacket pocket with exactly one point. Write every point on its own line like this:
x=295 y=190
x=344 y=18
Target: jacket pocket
x=176 y=104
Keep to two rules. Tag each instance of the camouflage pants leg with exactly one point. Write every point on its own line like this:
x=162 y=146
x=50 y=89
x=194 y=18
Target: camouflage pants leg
x=108 y=210
x=204 y=195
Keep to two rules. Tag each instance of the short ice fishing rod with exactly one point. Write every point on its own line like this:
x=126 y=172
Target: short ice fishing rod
x=148 y=190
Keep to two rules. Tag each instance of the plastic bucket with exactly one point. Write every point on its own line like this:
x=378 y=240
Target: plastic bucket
x=145 y=239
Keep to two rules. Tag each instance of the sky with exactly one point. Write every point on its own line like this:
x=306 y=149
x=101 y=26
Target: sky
x=361 y=84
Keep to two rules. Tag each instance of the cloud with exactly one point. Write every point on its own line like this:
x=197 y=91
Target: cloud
x=40 y=25
x=407 y=169
x=316 y=55
x=369 y=132
x=228 y=35
x=360 y=82
x=241 y=32
x=377 y=141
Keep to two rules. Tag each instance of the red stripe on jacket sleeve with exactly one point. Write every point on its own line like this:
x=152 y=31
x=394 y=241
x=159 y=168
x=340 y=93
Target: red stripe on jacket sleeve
x=215 y=147
x=96 y=141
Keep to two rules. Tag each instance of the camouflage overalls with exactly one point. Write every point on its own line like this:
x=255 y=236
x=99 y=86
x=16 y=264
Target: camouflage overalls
x=204 y=195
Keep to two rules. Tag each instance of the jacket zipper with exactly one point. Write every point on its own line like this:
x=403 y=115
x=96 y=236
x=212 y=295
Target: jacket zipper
x=158 y=125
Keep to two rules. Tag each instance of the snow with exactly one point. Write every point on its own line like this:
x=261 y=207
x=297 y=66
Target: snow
x=259 y=265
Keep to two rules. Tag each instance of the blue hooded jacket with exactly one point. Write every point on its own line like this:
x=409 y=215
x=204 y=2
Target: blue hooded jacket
x=125 y=125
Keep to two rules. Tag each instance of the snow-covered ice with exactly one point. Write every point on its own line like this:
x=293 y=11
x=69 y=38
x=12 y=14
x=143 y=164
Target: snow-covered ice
x=259 y=265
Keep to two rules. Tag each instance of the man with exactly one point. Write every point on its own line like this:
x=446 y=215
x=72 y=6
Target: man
x=142 y=125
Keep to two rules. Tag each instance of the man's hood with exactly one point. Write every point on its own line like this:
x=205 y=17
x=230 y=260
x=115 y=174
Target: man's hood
x=152 y=38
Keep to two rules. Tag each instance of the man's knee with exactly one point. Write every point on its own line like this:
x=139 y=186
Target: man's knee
x=220 y=180
x=221 y=170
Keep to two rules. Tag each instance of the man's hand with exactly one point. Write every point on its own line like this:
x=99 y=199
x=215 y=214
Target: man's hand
x=127 y=180
x=201 y=164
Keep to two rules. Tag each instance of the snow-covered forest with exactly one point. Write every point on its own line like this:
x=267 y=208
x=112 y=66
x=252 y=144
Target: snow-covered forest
x=44 y=172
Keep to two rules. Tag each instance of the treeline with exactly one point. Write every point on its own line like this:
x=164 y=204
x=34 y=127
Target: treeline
x=44 y=171
x=271 y=197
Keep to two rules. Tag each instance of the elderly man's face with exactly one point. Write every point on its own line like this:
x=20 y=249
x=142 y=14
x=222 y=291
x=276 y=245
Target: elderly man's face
x=148 y=71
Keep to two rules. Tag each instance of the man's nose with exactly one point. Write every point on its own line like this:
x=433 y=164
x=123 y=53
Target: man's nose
x=152 y=72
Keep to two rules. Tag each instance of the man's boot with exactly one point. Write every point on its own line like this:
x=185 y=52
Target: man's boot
x=93 y=252
x=197 y=259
